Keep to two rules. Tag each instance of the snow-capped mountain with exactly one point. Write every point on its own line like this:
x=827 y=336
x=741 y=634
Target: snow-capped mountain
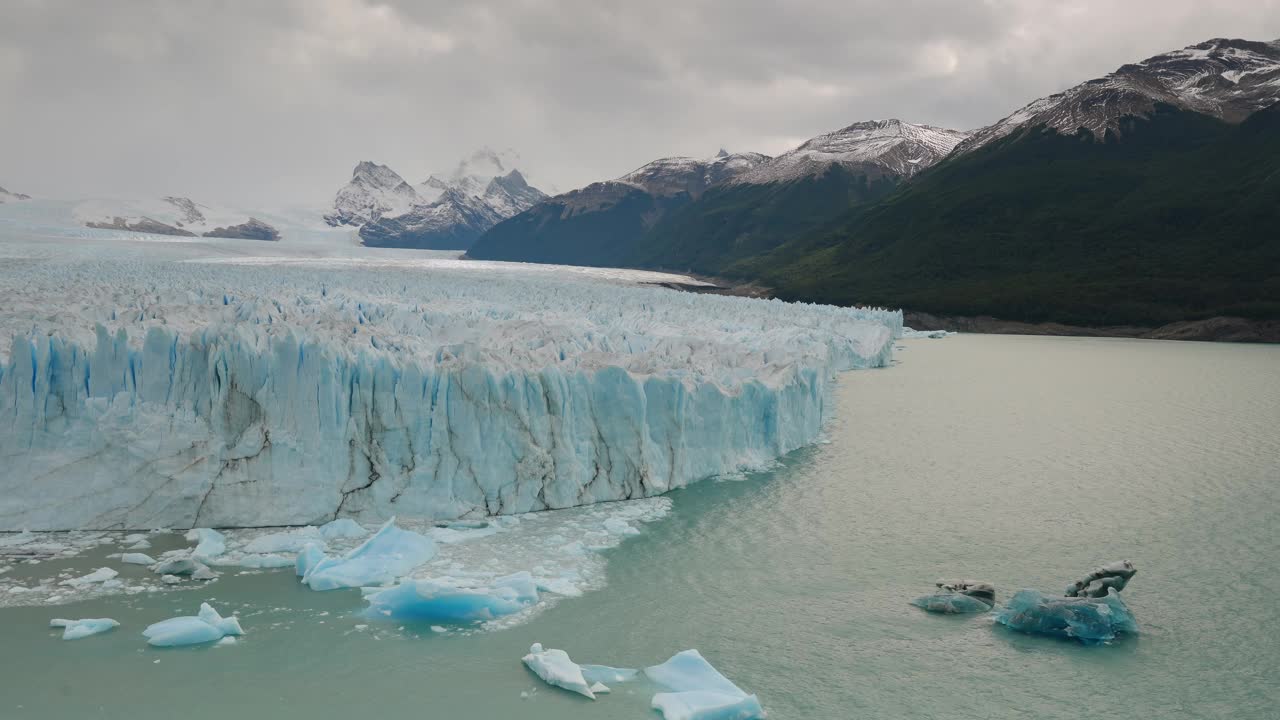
x=875 y=148
x=6 y=196
x=375 y=191
x=662 y=178
x=1227 y=79
x=171 y=215
x=440 y=213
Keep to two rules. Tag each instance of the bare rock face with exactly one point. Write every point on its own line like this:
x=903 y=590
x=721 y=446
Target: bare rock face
x=254 y=229
x=1227 y=79
x=141 y=225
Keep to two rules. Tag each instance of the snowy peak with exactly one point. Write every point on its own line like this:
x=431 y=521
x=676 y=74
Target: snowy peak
x=1224 y=78
x=374 y=191
x=674 y=175
x=6 y=196
x=878 y=147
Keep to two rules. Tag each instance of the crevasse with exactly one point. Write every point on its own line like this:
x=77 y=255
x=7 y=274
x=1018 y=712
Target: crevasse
x=440 y=397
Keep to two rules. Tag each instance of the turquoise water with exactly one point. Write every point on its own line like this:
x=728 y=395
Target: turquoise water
x=1024 y=461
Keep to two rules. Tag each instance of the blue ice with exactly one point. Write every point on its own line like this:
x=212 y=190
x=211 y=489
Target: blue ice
x=699 y=691
x=76 y=629
x=1089 y=620
x=950 y=603
x=389 y=554
x=204 y=627
x=432 y=601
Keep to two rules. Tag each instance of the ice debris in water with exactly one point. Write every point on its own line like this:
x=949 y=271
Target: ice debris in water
x=209 y=543
x=76 y=629
x=137 y=559
x=699 y=691
x=555 y=667
x=445 y=601
x=308 y=558
x=285 y=542
x=97 y=576
x=1089 y=620
x=389 y=554
x=204 y=627
x=958 y=597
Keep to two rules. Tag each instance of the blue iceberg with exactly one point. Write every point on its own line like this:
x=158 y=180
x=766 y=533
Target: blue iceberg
x=76 y=629
x=435 y=601
x=699 y=691
x=389 y=554
x=1089 y=620
x=205 y=627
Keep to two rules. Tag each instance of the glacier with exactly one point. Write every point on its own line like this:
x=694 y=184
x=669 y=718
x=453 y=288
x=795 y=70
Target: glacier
x=163 y=387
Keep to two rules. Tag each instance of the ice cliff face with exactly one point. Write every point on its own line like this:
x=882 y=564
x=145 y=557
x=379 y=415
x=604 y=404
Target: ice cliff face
x=1227 y=79
x=876 y=148
x=142 y=394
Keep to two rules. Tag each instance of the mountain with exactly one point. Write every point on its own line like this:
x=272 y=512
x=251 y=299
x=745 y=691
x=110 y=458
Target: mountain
x=440 y=213
x=739 y=207
x=172 y=215
x=605 y=221
x=1145 y=197
x=6 y=196
x=1225 y=79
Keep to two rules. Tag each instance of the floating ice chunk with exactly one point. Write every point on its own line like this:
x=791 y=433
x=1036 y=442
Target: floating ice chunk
x=176 y=565
x=1089 y=620
x=390 y=553
x=97 y=576
x=209 y=543
x=16 y=539
x=137 y=559
x=700 y=692
x=606 y=674
x=285 y=542
x=203 y=573
x=228 y=640
x=600 y=689
x=204 y=627
x=342 y=528
x=170 y=579
x=950 y=603
x=133 y=538
x=76 y=629
x=436 y=601
x=555 y=667
x=140 y=545
x=311 y=554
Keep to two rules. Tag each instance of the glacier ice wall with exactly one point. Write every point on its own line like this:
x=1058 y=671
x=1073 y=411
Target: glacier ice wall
x=159 y=393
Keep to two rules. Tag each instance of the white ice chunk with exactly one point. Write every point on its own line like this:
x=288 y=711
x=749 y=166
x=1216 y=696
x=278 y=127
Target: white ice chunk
x=258 y=561
x=97 y=576
x=618 y=526
x=204 y=627
x=209 y=543
x=310 y=556
x=342 y=528
x=137 y=559
x=390 y=553
x=285 y=542
x=438 y=601
x=555 y=667
x=700 y=692
x=76 y=629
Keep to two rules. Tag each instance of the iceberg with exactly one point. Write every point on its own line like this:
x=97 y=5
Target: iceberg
x=308 y=558
x=137 y=559
x=389 y=554
x=435 y=601
x=209 y=543
x=208 y=393
x=97 y=576
x=555 y=668
x=205 y=627
x=76 y=629
x=699 y=691
x=959 y=597
x=1089 y=620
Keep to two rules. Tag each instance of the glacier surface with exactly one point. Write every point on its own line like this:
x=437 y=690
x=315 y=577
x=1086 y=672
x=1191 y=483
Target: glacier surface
x=162 y=387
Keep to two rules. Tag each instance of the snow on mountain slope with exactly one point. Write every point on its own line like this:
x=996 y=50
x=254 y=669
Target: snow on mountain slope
x=877 y=147
x=375 y=191
x=1227 y=79
x=141 y=391
x=440 y=213
x=6 y=196
x=171 y=215
x=665 y=177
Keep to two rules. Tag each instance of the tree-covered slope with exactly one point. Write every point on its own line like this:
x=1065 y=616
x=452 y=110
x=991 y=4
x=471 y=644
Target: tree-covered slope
x=1175 y=217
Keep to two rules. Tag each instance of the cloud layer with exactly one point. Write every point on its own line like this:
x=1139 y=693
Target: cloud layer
x=266 y=102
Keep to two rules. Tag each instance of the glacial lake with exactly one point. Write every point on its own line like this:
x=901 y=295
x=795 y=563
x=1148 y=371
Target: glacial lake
x=1025 y=461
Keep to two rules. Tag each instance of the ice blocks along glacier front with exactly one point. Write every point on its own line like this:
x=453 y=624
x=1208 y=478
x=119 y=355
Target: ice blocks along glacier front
x=181 y=391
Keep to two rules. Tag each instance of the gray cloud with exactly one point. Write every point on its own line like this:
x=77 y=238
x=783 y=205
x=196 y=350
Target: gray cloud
x=247 y=101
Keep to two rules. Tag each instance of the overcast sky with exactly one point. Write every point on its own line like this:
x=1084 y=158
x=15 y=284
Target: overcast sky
x=262 y=101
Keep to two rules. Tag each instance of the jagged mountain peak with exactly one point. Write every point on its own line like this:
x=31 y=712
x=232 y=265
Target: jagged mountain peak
x=876 y=147
x=1229 y=79
x=673 y=175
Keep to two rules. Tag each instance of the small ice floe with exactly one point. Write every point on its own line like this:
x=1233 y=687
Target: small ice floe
x=209 y=543
x=97 y=576
x=606 y=674
x=207 y=626
x=448 y=601
x=263 y=561
x=137 y=559
x=76 y=629
x=178 y=562
x=932 y=334
x=389 y=554
x=140 y=545
x=555 y=668
x=1091 y=612
x=956 y=597
x=699 y=691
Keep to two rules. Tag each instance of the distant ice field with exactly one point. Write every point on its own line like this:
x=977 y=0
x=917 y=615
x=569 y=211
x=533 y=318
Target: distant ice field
x=238 y=383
